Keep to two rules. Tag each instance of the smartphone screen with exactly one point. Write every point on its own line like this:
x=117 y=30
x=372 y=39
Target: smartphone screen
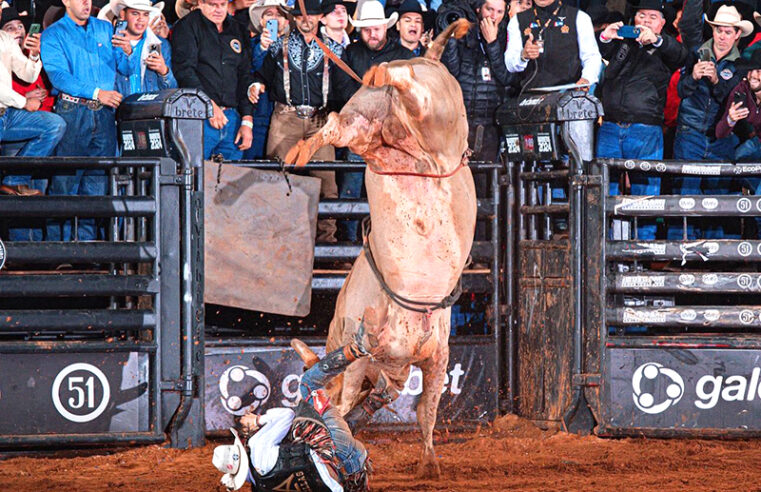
x=705 y=55
x=155 y=48
x=34 y=28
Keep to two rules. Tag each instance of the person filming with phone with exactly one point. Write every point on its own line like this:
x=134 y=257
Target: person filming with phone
x=708 y=77
x=633 y=93
x=23 y=127
x=742 y=113
x=151 y=59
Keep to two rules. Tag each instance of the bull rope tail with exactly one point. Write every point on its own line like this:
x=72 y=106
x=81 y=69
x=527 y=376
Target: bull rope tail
x=458 y=29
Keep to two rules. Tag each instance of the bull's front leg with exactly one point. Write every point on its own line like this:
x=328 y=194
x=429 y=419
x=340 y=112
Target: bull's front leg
x=434 y=372
x=339 y=130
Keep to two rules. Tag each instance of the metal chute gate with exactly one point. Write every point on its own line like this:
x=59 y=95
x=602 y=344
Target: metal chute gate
x=91 y=342
x=673 y=327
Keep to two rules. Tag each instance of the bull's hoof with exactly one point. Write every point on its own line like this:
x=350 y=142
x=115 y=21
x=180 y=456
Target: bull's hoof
x=428 y=468
x=294 y=156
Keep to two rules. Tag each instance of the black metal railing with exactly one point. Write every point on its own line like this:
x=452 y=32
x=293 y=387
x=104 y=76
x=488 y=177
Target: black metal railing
x=662 y=315
x=94 y=326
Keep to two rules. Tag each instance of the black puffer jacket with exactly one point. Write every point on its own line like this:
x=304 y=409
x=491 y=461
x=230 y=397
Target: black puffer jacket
x=637 y=78
x=465 y=58
x=360 y=58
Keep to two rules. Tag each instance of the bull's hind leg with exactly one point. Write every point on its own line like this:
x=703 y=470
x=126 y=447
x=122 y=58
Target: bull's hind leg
x=434 y=373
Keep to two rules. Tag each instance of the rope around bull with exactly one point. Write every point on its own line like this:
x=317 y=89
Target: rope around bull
x=409 y=304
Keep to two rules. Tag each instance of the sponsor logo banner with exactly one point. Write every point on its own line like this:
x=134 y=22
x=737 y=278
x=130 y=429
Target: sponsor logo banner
x=74 y=393
x=705 y=388
x=258 y=378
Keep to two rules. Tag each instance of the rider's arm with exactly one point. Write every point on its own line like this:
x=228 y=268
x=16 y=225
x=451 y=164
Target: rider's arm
x=264 y=445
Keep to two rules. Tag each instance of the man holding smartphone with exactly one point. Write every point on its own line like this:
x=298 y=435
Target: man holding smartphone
x=552 y=44
x=703 y=87
x=82 y=65
x=633 y=94
x=151 y=59
x=742 y=116
x=33 y=133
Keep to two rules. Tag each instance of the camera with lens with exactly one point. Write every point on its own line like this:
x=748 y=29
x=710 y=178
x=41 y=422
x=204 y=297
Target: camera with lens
x=452 y=10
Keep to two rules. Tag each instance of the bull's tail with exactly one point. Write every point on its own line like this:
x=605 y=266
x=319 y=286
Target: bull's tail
x=457 y=29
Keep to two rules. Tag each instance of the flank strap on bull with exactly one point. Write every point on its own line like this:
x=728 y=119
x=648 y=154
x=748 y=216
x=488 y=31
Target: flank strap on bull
x=409 y=304
x=463 y=163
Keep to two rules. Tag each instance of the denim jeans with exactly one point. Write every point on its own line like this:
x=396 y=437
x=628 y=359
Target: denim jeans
x=222 y=141
x=88 y=134
x=351 y=452
x=633 y=141
x=350 y=186
x=693 y=146
x=40 y=130
x=28 y=134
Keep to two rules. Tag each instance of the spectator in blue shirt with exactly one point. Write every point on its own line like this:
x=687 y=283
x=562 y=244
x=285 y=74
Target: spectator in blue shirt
x=81 y=63
x=151 y=59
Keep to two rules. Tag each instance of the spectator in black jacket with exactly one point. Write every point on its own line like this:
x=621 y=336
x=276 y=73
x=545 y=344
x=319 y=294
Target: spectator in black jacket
x=477 y=62
x=411 y=26
x=212 y=52
x=634 y=95
x=373 y=48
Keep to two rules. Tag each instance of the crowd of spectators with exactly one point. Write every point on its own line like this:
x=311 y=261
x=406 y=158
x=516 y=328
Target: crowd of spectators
x=676 y=79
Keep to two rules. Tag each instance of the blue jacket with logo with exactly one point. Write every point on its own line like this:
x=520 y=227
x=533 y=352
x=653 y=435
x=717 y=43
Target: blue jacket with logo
x=703 y=102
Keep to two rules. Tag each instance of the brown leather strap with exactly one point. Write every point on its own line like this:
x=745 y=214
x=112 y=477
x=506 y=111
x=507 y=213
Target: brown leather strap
x=339 y=62
x=343 y=66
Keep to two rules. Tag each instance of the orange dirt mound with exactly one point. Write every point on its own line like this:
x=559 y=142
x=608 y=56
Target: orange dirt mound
x=511 y=454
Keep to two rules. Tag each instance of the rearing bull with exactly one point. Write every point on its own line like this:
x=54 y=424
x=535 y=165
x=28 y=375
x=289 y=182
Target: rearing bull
x=408 y=122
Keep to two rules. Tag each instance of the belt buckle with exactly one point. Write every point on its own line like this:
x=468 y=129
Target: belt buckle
x=94 y=105
x=2 y=111
x=304 y=111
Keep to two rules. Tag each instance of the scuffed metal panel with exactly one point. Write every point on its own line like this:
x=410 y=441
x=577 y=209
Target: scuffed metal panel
x=260 y=239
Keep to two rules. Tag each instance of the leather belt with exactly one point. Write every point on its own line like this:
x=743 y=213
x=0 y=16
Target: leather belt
x=302 y=111
x=90 y=103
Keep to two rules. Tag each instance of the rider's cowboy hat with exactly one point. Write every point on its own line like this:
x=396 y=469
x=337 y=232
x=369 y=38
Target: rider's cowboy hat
x=232 y=460
x=729 y=16
x=114 y=8
x=371 y=14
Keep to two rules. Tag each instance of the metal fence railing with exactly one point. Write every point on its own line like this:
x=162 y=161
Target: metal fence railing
x=91 y=337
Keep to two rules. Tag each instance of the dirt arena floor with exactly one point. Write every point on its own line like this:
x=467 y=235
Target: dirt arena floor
x=512 y=454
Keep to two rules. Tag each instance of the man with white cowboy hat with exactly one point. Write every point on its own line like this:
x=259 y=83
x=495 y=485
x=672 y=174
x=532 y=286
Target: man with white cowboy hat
x=708 y=77
x=296 y=75
x=151 y=58
x=311 y=446
x=373 y=48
